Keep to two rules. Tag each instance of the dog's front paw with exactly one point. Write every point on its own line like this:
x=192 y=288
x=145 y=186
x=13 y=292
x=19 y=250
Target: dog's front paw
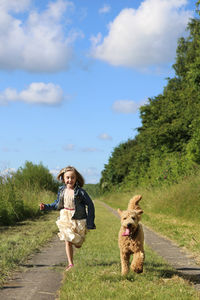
x=137 y=270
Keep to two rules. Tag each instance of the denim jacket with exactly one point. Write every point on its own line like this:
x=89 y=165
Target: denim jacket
x=81 y=200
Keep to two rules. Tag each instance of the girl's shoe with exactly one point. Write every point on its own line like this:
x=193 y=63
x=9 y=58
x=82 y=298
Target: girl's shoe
x=69 y=267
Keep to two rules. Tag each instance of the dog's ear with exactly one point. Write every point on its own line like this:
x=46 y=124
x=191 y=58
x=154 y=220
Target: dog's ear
x=139 y=212
x=119 y=212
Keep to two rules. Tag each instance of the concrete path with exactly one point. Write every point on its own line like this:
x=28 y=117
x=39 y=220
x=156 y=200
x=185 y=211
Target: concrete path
x=41 y=277
x=43 y=273
x=181 y=261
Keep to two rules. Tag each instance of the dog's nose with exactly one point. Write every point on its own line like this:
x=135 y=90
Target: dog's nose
x=129 y=225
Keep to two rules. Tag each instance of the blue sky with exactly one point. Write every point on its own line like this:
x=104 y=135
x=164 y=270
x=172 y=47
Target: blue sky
x=74 y=74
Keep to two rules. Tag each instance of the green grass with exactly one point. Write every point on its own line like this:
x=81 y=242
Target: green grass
x=96 y=274
x=178 y=200
x=186 y=234
x=21 y=203
x=19 y=241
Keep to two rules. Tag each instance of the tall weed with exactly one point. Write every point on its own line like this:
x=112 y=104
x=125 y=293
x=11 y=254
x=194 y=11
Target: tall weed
x=17 y=204
x=21 y=192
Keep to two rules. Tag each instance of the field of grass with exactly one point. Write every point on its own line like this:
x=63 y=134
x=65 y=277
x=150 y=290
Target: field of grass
x=19 y=241
x=96 y=274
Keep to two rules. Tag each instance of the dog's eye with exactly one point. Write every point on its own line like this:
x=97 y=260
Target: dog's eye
x=124 y=218
x=133 y=218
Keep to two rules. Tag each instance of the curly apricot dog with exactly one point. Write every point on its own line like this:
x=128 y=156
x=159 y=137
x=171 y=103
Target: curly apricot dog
x=131 y=237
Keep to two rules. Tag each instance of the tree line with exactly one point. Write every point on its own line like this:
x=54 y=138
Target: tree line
x=167 y=145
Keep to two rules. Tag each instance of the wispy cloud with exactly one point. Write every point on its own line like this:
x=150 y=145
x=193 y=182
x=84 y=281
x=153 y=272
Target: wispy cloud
x=145 y=36
x=8 y=149
x=126 y=106
x=54 y=172
x=90 y=149
x=105 y=9
x=69 y=147
x=39 y=42
x=104 y=136
x=91 y=175
x=36 y=93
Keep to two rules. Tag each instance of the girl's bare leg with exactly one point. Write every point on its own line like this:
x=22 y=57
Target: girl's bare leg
x=69 y=252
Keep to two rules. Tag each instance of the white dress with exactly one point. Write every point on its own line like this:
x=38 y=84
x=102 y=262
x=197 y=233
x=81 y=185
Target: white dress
x=70 y=230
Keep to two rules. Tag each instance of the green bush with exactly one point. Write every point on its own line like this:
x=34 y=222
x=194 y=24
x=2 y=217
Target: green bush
x=193 y=146
x=21 y=193
x=32 y=175
x=162 y=170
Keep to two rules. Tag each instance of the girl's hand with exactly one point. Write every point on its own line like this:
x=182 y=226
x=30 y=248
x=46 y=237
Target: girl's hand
x=41 y=206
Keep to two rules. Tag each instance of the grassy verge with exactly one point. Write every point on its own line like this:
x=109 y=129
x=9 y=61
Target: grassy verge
x=186 y=234
x=19 y=241
x=96 y=274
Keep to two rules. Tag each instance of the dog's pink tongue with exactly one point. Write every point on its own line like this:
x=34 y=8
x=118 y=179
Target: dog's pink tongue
x=127 y=232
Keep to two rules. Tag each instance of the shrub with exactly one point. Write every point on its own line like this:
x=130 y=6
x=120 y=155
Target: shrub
x=35 y=175
x=21 y=193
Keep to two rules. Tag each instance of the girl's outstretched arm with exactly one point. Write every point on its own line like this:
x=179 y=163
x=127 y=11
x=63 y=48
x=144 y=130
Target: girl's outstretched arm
x=54 y=205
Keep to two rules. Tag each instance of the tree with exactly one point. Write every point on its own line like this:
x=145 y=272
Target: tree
x=170 y=121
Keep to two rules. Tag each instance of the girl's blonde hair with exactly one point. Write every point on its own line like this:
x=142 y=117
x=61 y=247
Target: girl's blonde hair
x=79 y=177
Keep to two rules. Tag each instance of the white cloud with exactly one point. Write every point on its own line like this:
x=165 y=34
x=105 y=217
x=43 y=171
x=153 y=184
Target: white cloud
x=37 y=43
x=105 y=9
x=105 y=136
x=126 y=106
x=7 y=172
x=145 y=36
x=36 y=93
x=68 y=147
x=14 y=5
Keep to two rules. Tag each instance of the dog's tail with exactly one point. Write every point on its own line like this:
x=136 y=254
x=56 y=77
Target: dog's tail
x=133 y=203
